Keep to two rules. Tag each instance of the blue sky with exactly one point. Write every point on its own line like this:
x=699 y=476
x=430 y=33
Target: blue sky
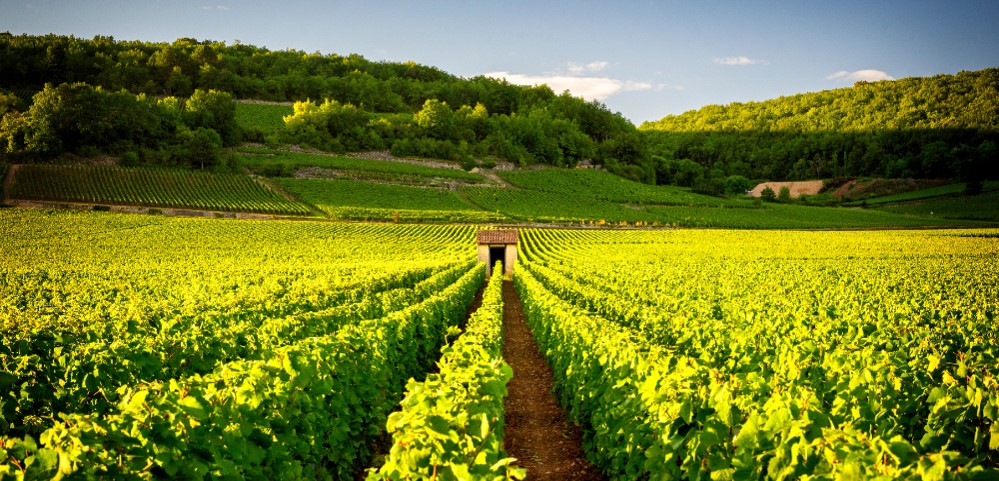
x=645 y=59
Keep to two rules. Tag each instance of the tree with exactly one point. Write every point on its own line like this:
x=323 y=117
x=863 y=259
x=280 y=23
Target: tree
x=213 y=110
x=737 y=185
x=198 y=148
x=437 y=119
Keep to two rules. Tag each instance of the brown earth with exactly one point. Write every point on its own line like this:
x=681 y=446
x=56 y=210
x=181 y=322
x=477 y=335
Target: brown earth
x=808 y=187
x=840 y=192
x=537 y=432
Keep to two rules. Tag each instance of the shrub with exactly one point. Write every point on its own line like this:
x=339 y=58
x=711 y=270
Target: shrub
x=768 y=194
x=785 y=194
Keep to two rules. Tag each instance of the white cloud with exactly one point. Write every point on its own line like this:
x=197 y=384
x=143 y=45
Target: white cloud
x=740 y=60
x=860 y=75
x=597 y=66
x=589 y=88
x=216 y=7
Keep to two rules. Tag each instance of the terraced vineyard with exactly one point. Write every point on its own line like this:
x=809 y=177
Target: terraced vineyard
x=356 y=200
x=264 y=160
x=567 y=208
x=772 y=355
x=149 y=187
x=208 y=348
x=605 y=186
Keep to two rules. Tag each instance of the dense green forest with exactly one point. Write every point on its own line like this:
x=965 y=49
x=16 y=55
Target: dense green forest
x=347 y=103
x=941 y=126
x=166 y=103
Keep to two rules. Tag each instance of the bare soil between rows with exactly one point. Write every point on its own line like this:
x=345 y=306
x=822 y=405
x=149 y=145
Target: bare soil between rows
x=537 y=432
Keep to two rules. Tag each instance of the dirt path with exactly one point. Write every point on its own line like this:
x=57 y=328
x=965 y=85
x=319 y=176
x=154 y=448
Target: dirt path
x=537 y=432
x=8 y=183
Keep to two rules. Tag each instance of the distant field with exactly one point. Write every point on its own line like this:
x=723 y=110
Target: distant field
x=347 y=199
x=283 y=163
x=263 y=118
x=101 y=184
x=536 y=206
x=789 y=216
x=366 y=189
x=604 y=186
x=984 y=206
x=950 y=189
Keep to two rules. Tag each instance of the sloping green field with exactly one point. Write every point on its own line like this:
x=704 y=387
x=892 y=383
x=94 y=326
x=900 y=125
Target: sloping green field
x=356 y=200
x=382 y=190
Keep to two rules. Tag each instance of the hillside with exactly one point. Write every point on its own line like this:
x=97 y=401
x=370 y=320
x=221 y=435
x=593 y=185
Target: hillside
x=53 y=87
x=317 y=185
x=934 y=127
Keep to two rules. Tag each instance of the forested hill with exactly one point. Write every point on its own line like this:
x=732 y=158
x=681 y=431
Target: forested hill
x=939 y=126
x=968 y=100
x=28 y=62
x=439 y=114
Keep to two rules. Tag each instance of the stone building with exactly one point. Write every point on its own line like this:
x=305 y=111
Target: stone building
x=497 y=245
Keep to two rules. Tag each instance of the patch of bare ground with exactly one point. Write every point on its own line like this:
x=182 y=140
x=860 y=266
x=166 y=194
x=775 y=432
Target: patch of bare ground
x=807 y=187
x=264 y=102
x=493 y=176
x=537 y=432
x=388 y=157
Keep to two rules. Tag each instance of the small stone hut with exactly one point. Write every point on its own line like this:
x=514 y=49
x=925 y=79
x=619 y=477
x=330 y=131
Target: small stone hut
x=497 y=245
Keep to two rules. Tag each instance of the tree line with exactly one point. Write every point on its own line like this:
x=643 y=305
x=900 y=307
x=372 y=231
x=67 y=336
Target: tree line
x=346 y=103
x=80 y=119
x=935 y=127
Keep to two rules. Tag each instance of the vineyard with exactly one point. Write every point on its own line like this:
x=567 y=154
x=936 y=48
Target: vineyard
x=605 y=186
x=260 y=118
x=285 y=182
x=557 y=206
x=156 y=347
x=772 y=355
x=209 y=349
x=285 y=163
x=344 y=199
x=149 y=187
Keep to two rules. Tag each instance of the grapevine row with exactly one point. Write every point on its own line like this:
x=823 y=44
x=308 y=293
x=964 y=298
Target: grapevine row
x=650 y=413
x=451 y=423
x=149 y=187
x=309 y=410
